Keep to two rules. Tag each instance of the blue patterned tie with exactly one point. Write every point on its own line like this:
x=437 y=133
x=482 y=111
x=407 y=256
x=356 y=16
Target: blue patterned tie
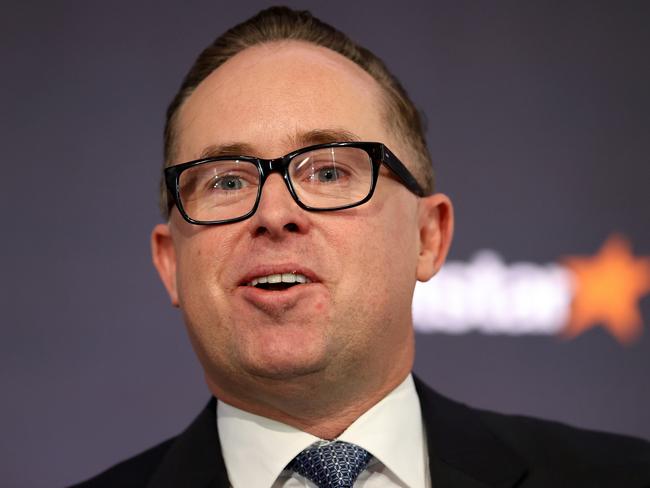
x=331 y=464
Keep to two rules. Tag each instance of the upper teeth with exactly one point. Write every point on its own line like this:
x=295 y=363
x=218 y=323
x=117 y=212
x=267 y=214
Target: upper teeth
x=280 y=278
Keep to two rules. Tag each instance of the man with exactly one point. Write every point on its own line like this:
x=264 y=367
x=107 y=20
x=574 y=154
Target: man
x=299 y=195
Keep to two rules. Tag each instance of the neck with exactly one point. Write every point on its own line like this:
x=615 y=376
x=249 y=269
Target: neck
x=315 y=404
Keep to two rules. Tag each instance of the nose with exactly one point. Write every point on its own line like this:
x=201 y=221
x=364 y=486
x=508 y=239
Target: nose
x=278 y=215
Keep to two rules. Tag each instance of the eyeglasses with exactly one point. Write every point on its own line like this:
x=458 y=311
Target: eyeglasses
x=323 y=177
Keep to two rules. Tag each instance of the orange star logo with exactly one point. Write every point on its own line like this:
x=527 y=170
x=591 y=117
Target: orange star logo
x=608 y=289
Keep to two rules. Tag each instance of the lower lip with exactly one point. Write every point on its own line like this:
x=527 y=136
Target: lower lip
x=277 y=299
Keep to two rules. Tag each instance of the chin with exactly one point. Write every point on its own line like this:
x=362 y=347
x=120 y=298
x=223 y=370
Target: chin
x=276 y=365
x=284 y=373
x=284 y=352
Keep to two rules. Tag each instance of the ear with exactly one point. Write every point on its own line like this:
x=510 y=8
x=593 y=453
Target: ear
x=436 y=224
x=164 y=259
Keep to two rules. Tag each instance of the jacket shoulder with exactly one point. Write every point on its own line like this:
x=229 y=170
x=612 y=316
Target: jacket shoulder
x=192 y=458
x=134 y=472
x=571 y=452
x=498 y=449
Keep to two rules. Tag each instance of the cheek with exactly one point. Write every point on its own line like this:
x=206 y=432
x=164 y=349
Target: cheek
x=191 y=274
x=396 y=253
x=203 y=303
x=381 y=258
x=203 y=257
x=202 y=264
x=396 y=241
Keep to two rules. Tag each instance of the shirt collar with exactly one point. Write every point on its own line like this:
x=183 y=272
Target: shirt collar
x=257 y=449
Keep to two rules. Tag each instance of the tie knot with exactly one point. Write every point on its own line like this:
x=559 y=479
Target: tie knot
x=331 y=464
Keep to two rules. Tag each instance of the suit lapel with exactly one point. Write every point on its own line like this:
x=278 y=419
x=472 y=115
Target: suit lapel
x=462 y=451
x=194 y=460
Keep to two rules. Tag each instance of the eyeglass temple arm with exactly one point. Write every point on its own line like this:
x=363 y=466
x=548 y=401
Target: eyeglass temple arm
x=402 y=172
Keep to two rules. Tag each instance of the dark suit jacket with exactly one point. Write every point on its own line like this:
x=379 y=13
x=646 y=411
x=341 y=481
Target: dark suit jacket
x=468 y=448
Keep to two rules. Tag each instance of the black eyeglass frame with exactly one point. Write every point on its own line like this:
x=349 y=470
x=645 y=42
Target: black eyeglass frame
x=377 y=151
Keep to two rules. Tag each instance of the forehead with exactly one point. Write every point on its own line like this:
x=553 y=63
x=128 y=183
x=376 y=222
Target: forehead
x=268 y=95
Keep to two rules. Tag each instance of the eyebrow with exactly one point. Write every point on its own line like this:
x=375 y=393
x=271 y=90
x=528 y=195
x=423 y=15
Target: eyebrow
x=298 y=140
x=323 y=136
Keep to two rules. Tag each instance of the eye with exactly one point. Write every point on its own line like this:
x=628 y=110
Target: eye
x=327 y=174
x=324 y=168
x=228 y=182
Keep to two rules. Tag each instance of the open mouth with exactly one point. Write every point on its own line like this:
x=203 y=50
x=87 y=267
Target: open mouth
x=278 y=282
x=275 y=286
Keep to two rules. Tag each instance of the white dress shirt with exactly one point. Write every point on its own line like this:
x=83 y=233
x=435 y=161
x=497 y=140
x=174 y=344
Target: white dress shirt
x=256 y=449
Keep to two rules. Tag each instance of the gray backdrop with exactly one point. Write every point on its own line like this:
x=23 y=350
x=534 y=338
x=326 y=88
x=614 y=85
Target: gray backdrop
x=538 y=116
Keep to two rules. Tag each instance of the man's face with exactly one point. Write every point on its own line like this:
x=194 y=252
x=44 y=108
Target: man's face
x=355 y=315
